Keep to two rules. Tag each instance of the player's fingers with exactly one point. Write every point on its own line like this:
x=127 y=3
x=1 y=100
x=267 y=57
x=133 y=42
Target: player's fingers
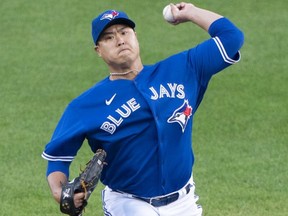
x=180 y=5
x=174 y=11
x=181 y=12
x=78 y=199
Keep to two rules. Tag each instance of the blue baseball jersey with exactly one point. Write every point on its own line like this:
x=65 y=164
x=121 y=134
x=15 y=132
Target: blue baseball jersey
x=145 y=124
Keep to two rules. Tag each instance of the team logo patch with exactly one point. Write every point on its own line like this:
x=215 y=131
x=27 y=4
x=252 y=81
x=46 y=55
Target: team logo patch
x=181 y=115
x=110 y=16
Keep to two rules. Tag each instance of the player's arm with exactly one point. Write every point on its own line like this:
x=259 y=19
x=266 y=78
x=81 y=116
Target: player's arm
x=223 y=48
x=185 y=12
x=55 y=181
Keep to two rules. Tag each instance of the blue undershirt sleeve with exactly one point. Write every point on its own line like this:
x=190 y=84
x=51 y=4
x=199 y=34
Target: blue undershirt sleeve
x=59 y=166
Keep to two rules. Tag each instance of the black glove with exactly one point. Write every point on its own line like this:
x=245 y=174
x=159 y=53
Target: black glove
x=86 y=182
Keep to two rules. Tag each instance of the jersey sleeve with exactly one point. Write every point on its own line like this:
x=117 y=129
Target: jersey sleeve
x=65 y=142
x=218 y=52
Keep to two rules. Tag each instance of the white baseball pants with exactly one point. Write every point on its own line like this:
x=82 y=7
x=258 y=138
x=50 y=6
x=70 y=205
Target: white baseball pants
x=123 y=204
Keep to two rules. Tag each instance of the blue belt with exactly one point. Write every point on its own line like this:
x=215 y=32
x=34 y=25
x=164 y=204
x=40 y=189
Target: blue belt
x=163 y=200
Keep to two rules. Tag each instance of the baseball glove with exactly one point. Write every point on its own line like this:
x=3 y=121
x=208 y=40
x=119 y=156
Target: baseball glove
x=86 y=182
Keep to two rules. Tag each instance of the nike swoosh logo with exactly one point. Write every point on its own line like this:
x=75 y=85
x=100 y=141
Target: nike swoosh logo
x=108 y=102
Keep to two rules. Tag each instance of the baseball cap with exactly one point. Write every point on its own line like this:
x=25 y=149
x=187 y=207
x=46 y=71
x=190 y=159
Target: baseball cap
x=107 y=19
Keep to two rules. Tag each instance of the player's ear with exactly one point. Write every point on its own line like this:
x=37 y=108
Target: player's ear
x=97 y=50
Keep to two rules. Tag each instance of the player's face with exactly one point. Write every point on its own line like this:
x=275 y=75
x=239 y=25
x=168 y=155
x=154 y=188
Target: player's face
x=118 y=46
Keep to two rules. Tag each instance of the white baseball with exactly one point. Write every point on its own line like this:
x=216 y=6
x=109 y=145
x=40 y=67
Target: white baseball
x=167 y=14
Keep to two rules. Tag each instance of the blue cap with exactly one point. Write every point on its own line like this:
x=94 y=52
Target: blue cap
x=107 y=19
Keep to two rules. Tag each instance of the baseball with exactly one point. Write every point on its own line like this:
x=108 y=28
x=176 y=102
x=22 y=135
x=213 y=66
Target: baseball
x=167 y=14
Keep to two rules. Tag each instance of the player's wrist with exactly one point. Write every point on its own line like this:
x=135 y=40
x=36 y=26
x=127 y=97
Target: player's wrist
x=57 y=194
